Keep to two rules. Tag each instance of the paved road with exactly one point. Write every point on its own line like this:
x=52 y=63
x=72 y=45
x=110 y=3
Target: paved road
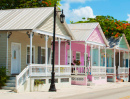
x=118 y=93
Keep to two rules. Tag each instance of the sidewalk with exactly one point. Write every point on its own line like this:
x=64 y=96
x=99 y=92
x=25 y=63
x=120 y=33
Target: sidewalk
x=73 y=90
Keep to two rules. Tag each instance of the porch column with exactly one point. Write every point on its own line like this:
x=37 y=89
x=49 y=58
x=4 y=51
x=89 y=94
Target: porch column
x=119 y=58
x=124 y=58
x=85 y=57
x=114 y=66
x=46 y=46
x=31 y=47
x=70 y=53
x=91 y=57
x=99 y=58
x=46 y=59
x=105 y=59
x=85 y=54
x=59 y=42
x=128 y=65
x=119 y=63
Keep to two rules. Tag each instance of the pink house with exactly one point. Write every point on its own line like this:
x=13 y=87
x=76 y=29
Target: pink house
x=87 y=56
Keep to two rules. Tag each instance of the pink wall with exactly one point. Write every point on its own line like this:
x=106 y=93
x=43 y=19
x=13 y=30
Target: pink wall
x=99 y=81
x=96 y=36
x=75 y=47
x=79 y=82
x=62 y=53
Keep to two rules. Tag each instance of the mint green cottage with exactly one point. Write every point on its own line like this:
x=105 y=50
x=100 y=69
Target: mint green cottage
x=117 y=59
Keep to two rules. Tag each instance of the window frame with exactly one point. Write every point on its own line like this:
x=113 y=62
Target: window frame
x=80 y=55
x=45 y=53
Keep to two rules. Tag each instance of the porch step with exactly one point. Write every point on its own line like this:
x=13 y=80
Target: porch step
x=8 y=88
x=12 y=78
x=10 y=84
x=10 y=81
x=89 y=83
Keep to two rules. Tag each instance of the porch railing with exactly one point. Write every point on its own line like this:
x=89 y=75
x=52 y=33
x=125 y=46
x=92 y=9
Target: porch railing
x=123 y=70
x=110 y=70
x=78 y=70
x=22 y=77
x=41 y=70
x=98 y=70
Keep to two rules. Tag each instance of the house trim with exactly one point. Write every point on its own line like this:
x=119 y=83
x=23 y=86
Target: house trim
x=51 y=34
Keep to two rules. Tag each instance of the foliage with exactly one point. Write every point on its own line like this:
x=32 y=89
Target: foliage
x=110 y=26
x=37 y=82
x=3 y=76
x=77 y=62
x=14 y=4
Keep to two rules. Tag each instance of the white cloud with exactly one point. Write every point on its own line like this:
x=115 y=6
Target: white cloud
x=75 y=1
x=77 y=14
x=128 y=17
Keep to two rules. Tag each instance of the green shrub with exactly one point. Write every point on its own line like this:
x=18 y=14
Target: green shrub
x=3 y=76
x=37 y=82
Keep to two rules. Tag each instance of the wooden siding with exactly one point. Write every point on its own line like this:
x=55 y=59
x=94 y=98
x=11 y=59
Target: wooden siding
x=22 y=38
x=3 y=48
x=47 y=26
x=123 y=44
x=96 y=36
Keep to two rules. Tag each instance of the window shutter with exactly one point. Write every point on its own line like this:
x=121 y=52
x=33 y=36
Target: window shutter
x=39 y=54
x=49 y=53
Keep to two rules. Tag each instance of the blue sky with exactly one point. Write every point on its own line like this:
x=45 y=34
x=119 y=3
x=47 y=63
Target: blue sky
x=76 y=9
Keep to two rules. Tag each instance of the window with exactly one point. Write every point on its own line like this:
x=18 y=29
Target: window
x=78 y=56
x=86 y=59
x=28 y=54
x=68 y=58
x=42 y=55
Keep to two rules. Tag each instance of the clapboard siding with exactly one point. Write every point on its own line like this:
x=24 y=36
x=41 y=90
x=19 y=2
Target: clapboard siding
x=23 y=39
x=47 y=26
x=3 y=48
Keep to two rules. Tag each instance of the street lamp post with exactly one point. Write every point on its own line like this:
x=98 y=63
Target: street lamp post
x=62 y=17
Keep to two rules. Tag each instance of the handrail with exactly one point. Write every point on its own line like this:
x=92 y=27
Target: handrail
x=21 y=78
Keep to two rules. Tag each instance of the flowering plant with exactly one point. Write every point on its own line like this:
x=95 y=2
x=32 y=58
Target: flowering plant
x=77 y=62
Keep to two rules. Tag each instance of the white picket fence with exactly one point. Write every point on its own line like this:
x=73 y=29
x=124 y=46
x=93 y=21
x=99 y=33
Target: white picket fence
x=123 y=70
x=110 y=70
x=98 y=70
x=41 y=70
x=82 y=70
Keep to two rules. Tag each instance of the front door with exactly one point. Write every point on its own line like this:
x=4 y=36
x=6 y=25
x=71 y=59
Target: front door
x=15 y=58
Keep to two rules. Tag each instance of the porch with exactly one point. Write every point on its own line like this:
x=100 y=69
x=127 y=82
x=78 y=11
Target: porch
x=118 y=64
x=94 y=67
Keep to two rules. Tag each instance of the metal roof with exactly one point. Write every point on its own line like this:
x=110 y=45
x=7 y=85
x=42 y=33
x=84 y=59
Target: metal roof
x=113 y=41
x=81 y=31
x=27 y=18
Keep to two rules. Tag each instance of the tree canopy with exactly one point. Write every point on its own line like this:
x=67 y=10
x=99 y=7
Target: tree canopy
x=110 y=26
x=14 y=4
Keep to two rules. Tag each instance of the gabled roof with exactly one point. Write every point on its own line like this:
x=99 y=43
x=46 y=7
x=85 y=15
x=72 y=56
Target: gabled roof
x=82 y=31
x=27 y=18
x=115 y=42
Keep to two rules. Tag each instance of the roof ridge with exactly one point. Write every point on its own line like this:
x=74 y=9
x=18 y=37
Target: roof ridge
x=26 y=8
